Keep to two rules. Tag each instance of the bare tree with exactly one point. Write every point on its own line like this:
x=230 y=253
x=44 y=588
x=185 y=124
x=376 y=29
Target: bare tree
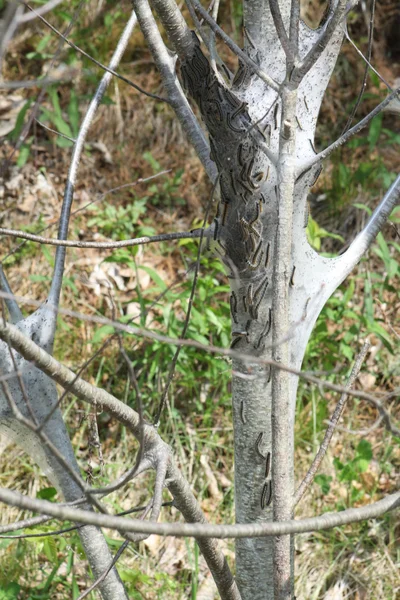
x=258 y=150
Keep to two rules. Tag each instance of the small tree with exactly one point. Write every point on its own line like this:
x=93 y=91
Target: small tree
x=259 y=153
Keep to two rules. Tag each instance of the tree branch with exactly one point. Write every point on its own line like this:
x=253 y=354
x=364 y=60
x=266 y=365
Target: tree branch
x=12 y=305
x=283 y=37
x=366 y=69
x=180 y=489
x=346 y=136
x=339 y=12
x=375 y=223
x=99 y=199
x=188 y=313
x=163 y=237
x=110 y=69
x=200 y=530
x=67 y=379
x=166 y=66
x=234 y=47
x=309 y=478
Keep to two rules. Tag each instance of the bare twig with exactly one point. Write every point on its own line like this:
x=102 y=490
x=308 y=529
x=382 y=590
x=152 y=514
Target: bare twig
x=283 y=37
x=368 y=61
x=41 y=10
x=188 y=312
x=34 y=521
x=62 y=135
x=25 y=131
x=166 y=66
x=164 y=237
x=234 y=47
x=202 y=530
x=346 y=136
x=339 y=12
x=294 y=25
x=139 y=405
x=360 y=432
x=66 y=378
x=85 y=206
x=102 y=577
x=109 y=70
x=12 y=306
x=309 y=477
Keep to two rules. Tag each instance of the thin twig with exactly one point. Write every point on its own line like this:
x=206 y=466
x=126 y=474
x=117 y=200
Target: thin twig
x=102 y=577
x=65 y=377
x=164 y=237
x=166 y=63
x=203 y=530
x=188 y=312
x=96 y=62
x=34 y=521
x=25 y=131
x=340 y=12
x=85 y=365
x=42 y=10
x=85 y=206
x=139 y=406
x=309 y=477
x=360 y=432
x=346 y=136
x=368 y=61
x=283 y=37
x=234 y=47
x=62 y=135
x=294 y=25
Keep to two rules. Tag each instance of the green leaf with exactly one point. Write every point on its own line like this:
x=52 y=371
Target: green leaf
x=73 y=112
x=363 y=207
x=15 y=133
x=43 y=43
x=102 y=332
x=364 y=450
x=324 y=481
x=152 y=161
x=382 y=334
x=50 y=549
x=47 y=493
x=375 y=130
x=10 y=591
x=155 y=276
x=361 y=465
x=349 y=291
x=347 y=473
x=23 y=155
x=75 y=589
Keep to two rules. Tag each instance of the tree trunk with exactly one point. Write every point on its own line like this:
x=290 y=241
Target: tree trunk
x=262 y=208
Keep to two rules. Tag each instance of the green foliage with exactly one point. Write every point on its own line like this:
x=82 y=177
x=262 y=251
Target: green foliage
x=209 y=324
x=10 y=591
x=351 y=470
x=165 y=193
x=369 y=175
x=58 y=119
x=324 y=481
x=119 y=222
x=315 y=234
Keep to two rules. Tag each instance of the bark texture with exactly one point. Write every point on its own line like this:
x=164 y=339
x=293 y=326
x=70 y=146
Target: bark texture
x=253 y=159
